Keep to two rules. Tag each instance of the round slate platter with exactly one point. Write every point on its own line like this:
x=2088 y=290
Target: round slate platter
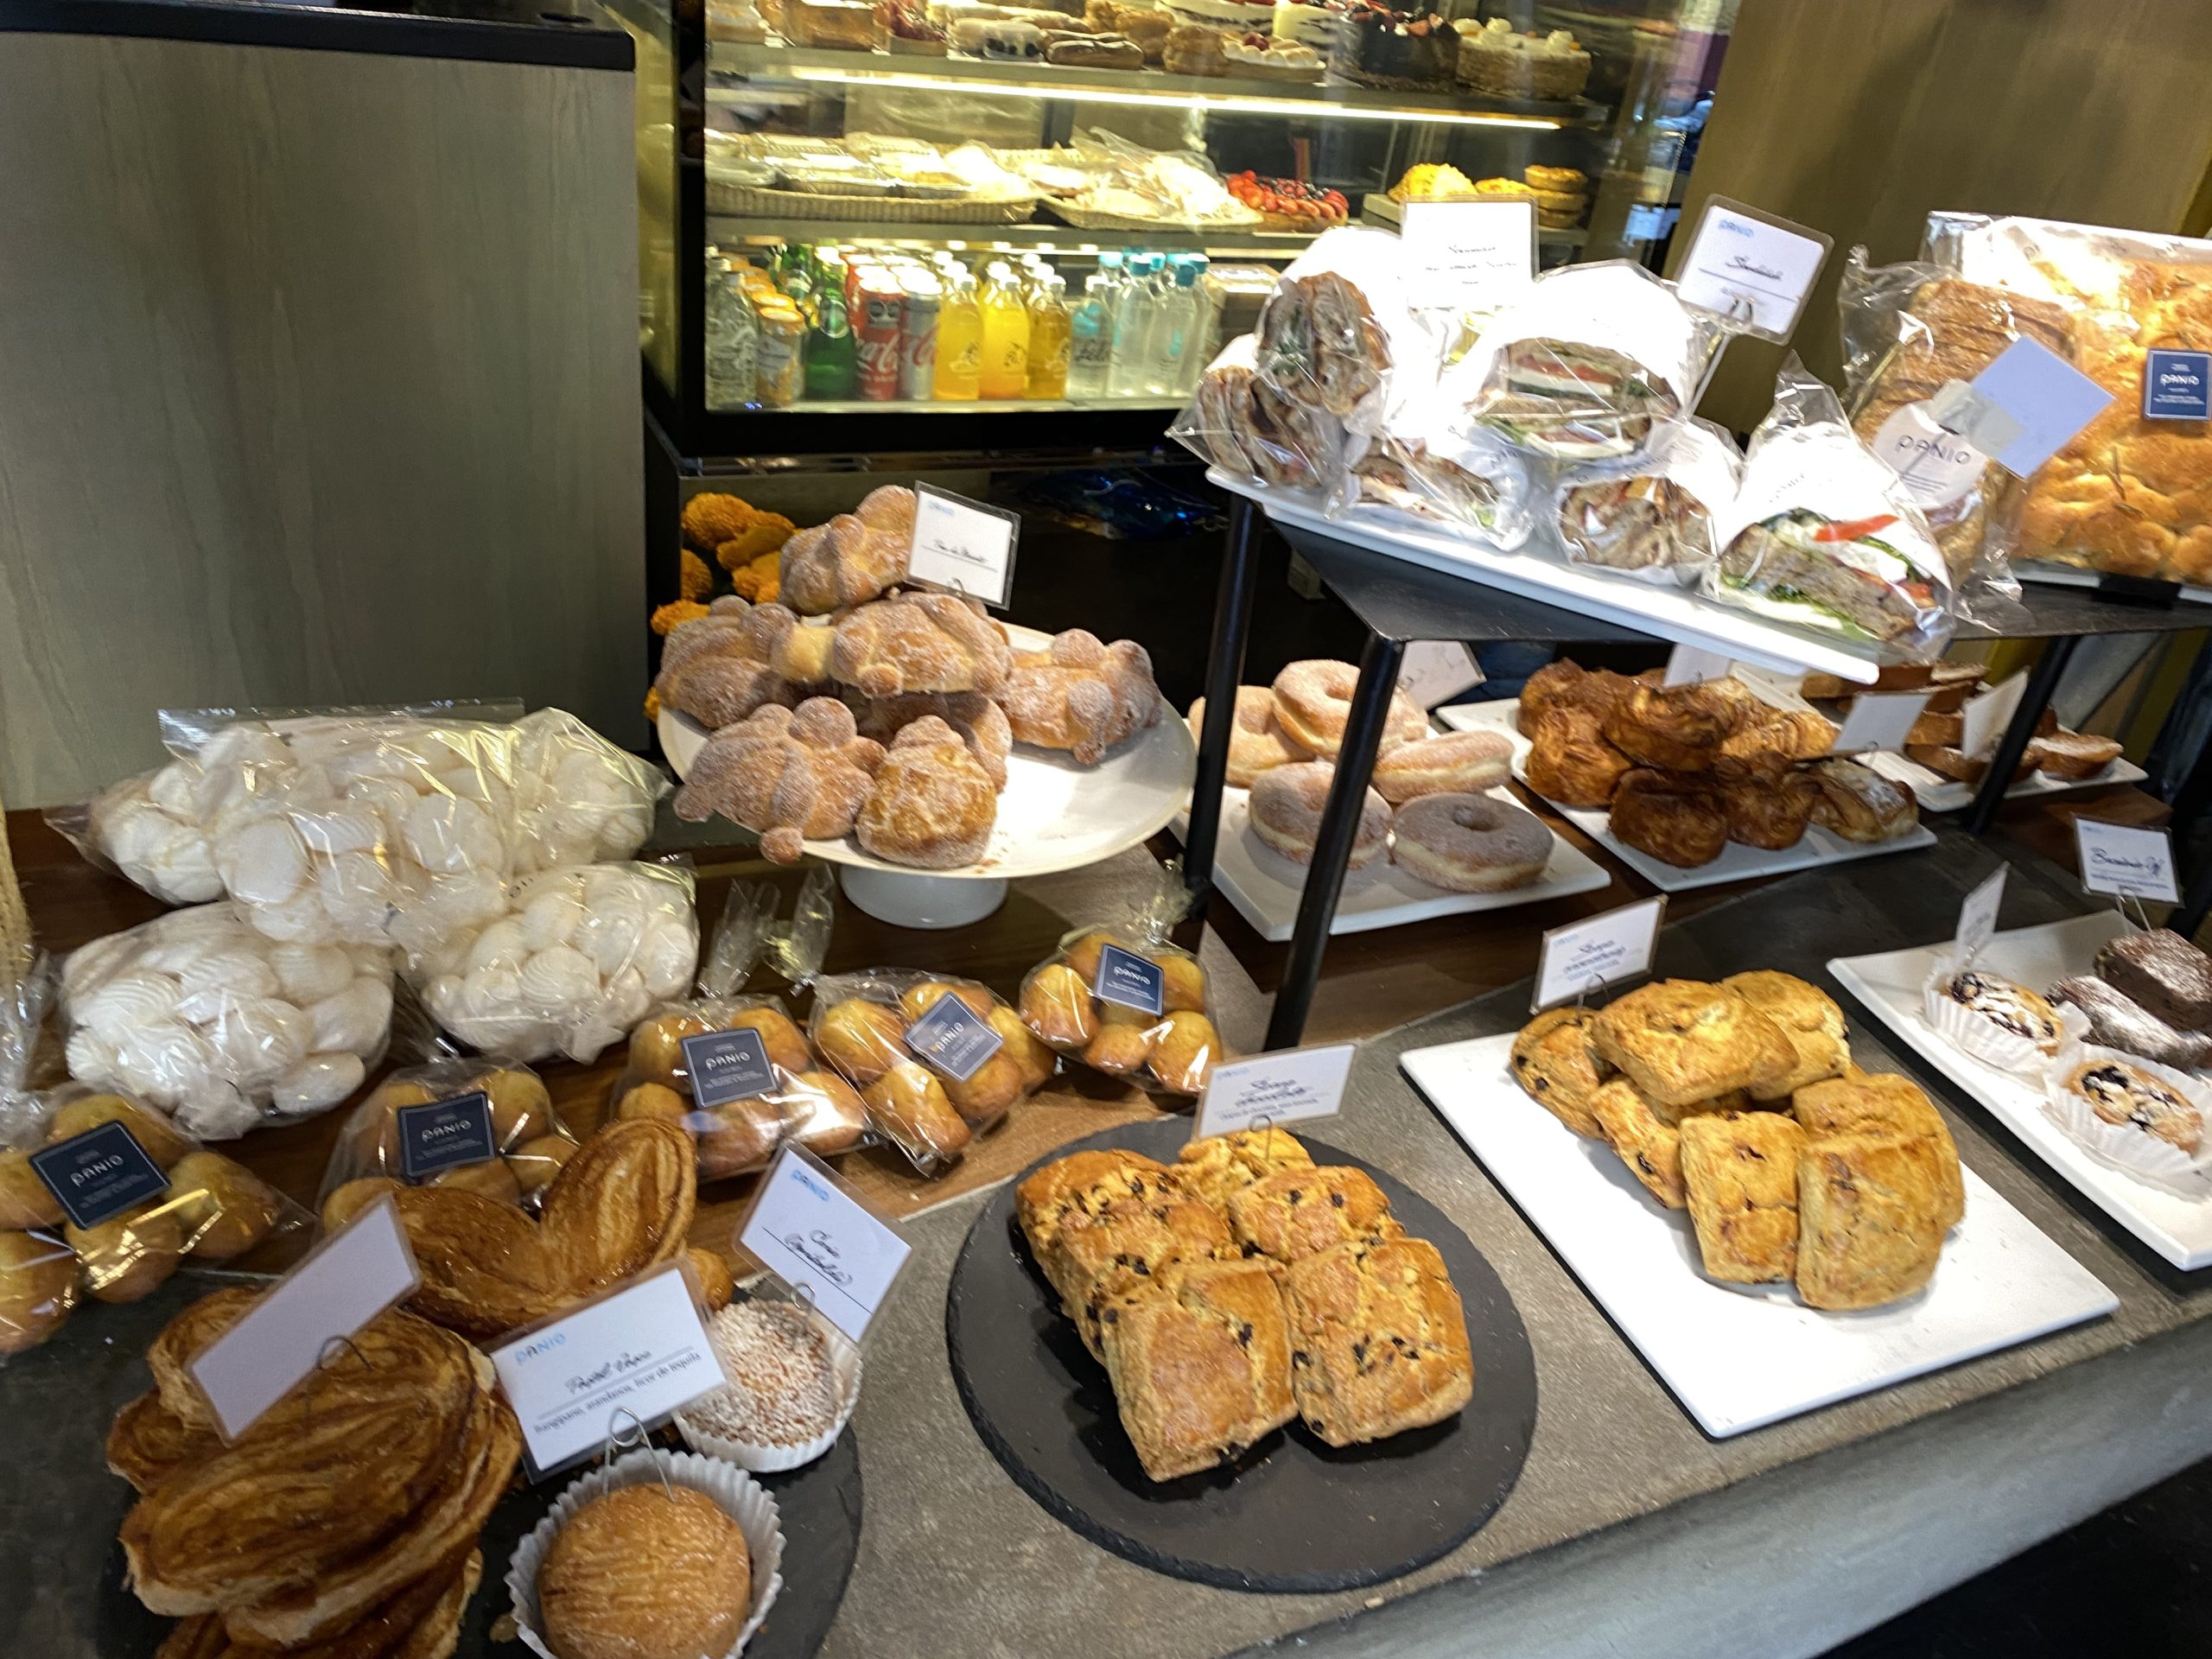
x=1292 y=1513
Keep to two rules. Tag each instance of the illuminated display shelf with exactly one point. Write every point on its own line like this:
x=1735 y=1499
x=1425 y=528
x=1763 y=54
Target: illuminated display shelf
x=729 y=231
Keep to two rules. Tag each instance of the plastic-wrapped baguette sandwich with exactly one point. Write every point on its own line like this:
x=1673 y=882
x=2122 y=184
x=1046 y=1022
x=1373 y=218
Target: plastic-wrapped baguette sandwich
x=1652 y=520
x=1824 y=536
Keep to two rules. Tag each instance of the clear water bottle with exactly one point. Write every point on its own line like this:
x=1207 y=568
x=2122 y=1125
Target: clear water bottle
x=1205 y=325
x=733 y=339
x=1090 y=335
x=1134 y=305
x=1175 y=331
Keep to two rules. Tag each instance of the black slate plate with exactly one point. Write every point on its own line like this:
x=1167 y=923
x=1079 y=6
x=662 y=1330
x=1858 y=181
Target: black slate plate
x=1293 y=1514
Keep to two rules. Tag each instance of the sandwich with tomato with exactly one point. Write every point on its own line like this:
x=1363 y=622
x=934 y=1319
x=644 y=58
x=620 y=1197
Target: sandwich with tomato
x=1571 y=401
x=1859 y=576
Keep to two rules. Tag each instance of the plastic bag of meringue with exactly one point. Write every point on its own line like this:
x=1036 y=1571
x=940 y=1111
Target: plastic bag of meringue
x=938 y=1059
x=566 y=962
x=1123 y=1000
x=105 y=1198
x=215 y=1023
x=471 y=1123
x=736 y=1070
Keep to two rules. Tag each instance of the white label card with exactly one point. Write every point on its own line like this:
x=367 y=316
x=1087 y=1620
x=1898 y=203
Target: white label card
x=1283 y=1088
x=349 y=1279
x=2121 y=859
x=1583 y=957
x=1750 y=268
x=963 y=546
x=1978 y=920
x=1478 y=253
x=1983 y=719
x=810 y=1229
x=1432 y=671
x=1689 y=665
x=2048 y=397
x=641 y=1349
x=1878 y=720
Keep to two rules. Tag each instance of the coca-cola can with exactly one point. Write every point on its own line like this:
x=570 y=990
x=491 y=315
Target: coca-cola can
x=880 y=304
x=917 y=338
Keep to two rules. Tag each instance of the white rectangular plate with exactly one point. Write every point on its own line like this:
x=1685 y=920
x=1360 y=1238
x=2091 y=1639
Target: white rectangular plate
x=1937 y=793
x=1736 y=862
x=1740 y=1357
x=1888 y=984
x=1264 y=885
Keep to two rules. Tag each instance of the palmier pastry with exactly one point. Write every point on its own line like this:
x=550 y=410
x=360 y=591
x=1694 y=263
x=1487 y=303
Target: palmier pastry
x=979 y=722
x=1257 y=742
x=1285 y=813
x=1458 y=763
x=1678 y=729
x=932 y=806
x=850 y=560
x=1313 y=702
x=1677 y=820
x=1081 y=695
x=788 y=775
x=1571 y=763
x=1860 y=805
x=1769 y=812
x=920 y=642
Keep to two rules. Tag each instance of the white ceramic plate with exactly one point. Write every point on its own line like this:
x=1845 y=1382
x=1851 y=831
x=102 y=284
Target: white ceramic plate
x=1937 y=793
x=1738 y=1357
x=1265 y=887
x=1888 y=984
x=1736 y=864
x=1053 y=814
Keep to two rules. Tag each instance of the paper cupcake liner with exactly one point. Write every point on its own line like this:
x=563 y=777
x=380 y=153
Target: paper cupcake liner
x=1985 y=1039
x=744 y=1499
x=2122 y=1145
x=764 y=1460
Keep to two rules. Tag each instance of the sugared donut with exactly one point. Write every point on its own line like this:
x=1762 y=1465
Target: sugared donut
x=1470 y=843
x=1313 y=700
x=1285 y=813
x=1257 y=741
x=1458 y=763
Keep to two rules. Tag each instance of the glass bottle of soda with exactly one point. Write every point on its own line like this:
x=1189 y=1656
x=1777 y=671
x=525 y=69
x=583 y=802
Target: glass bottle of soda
x=832 y=353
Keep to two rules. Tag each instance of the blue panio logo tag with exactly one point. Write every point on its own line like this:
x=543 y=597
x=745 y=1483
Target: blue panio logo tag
x=811 y=1185
x=530 y=1351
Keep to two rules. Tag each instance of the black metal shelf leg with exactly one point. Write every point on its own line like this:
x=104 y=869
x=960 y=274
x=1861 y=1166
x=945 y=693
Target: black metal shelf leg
x=1232 y=626
x=1324 y=877
x=2042 y=680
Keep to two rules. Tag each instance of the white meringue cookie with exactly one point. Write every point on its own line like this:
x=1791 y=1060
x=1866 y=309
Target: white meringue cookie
x=169 y=787
x=302 y=921
x=491 y=992
x=214 y=1110
x=447 y=833
x=262 y=863
x=559 y=982
x=626 y=1000
x=354 y=1020
x=89 y=963
x=505 y=941
x=183 y=873
x=161 y=1059
x=240 y=972
x=610 y=938
x=585 y=1041
x=91 y=1056
x=127 y=1004
x=339 y=829
x=308 y=973
x=668 y=956
x=551 y=918
x=319 y=1081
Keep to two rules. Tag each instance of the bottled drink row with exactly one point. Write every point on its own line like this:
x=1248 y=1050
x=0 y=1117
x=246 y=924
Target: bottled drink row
x=823 y=322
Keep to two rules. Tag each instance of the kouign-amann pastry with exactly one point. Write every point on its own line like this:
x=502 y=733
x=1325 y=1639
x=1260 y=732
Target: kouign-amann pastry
x=1769 y=812
x=2163 y=972
x=1555 y=1062
x=1081 y=695
x=2119 y=1093
x=1570 y=761
x=1869 y=1219
x=1651 y=1147
x=1220 y=1165
x=932 y=804
x=1562 y=684
x=2117 y=1020
x=1202 y=1372
x=1859 y=804
x=1740 y=1175
x=1677 y=818
x=1680 y=1040
x=790 y=775
x=1378 y=1340
x=1675 y=729
x=1294 y=1213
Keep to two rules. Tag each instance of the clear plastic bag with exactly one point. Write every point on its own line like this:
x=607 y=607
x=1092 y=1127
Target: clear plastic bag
x=509 y=1150
x=578 y=799
x=567 y=963
x=1435 y=470
x=208 y=1019
x=932 y=1080
x=207 y=1209
x=1123 y=1000
x=146 y=828
x=1824 y=536
x=1588 y=363
x=1651 y=520
x=1237 y=421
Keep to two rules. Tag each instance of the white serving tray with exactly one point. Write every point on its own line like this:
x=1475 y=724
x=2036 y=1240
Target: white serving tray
x=1736 y=864
x=1888 y=984
x=1740 y=1357
x=1937 y=793
x=1666 y=612
x=1265 y=887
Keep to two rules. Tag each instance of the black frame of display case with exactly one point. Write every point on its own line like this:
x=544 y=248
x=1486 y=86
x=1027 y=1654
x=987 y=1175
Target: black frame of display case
x=1398 y=602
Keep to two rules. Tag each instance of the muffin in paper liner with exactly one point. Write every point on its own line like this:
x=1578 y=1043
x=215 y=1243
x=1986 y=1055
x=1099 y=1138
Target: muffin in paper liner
x=743 y=1498
x=764 y=1460
x=2131 y=1150
x=1984 y=1038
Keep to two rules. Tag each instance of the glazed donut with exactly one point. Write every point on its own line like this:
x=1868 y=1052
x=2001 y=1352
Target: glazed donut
x=1469 y=843
x=1677 y=820
x=1570 y=763
x=1257 y=741
x=1285 y=813
x=1313 y=700
x=1458 y=763
x=1677 y=728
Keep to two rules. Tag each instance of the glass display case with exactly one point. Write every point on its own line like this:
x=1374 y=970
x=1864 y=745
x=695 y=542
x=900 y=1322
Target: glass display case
x=1040 y=223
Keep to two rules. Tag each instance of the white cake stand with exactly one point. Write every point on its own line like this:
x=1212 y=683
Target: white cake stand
x=1053 y=814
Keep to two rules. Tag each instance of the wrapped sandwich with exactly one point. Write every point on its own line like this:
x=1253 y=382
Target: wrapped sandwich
x=1654 y=520
x=1239 y=423
x=1823 y=536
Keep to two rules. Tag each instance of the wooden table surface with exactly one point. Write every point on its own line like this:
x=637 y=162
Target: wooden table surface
x=1370 y=982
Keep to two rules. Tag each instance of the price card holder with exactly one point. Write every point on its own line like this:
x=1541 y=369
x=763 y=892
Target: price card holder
x=1587 y=956
x=1878 y=720
x=1476 y=254
x=2046 y=399
x=963 y=546
x=2125 y=862
x=818 y=1236
x=1128 y=980
x=1436 y=670
x=1691 y=665
x=727 y=1065
x=306 y=1318
x=1978 y=920
x=1982 y=720
x=636 y=1354
x=1752 y=268
x=1270 y=1091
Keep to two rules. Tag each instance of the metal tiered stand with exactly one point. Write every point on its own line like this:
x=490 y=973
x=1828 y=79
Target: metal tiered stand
x=1414 y=583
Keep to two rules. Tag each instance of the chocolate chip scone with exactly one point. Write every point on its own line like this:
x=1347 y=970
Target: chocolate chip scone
x=1885 y=1103
x=1101 y=1258
x=1740 y=1175
x=1202 y=1371
x=1678 y=1040
x=1295 y=1213
x=1555 y=1063
x=1220 y=1165
x=1652 y=1148
x=1378 y=1340
x=1084 y=1184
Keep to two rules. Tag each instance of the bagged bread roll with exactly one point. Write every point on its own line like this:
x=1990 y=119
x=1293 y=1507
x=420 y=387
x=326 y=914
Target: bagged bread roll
x=473 y=1124
x=1128 y=1004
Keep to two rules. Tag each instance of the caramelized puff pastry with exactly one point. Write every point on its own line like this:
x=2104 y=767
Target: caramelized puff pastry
x=1571 y=763
x=1675 y=818
x=1678 y=1040
x=1860 y=805
x=1560 y=685
x=1769 y=812
x=1677 y=728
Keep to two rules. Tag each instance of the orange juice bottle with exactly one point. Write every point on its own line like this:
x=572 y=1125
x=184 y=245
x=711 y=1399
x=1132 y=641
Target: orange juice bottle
x=959 y=339
x=1052 y=331
x=1006 y=334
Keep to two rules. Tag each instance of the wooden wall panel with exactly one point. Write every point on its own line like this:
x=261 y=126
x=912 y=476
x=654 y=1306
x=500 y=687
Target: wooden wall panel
x=1859 y=118
x=318 y=383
